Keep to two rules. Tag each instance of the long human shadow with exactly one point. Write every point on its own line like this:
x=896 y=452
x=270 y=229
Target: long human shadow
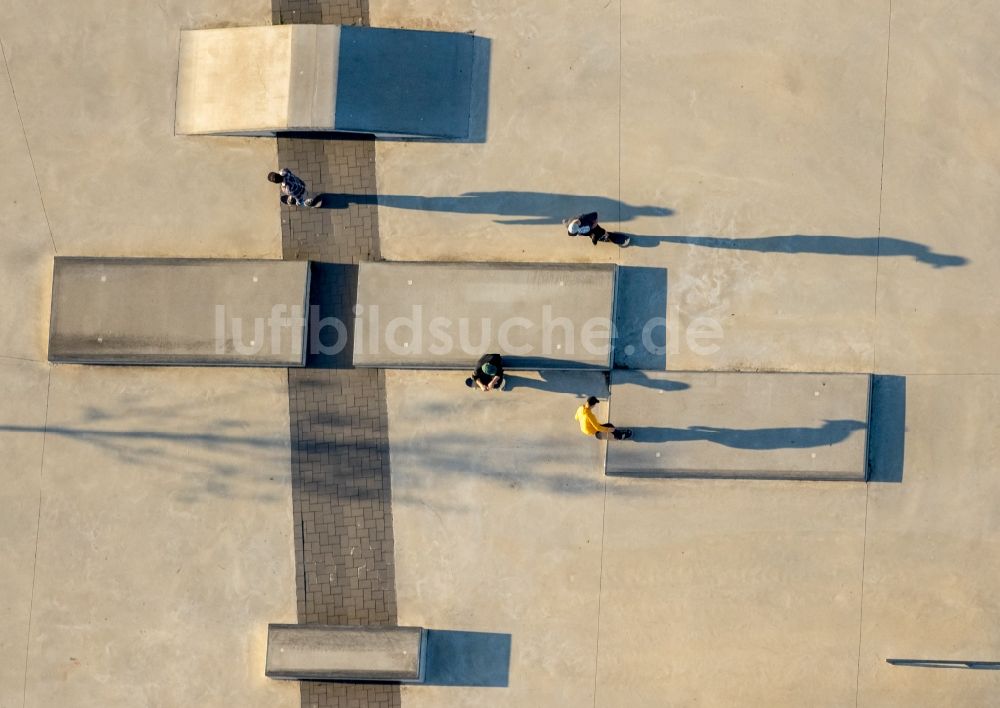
x=830 y=433
x=558 y=382
x=513 y=207
x=827 y=245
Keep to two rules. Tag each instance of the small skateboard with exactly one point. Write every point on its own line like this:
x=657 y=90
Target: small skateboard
x=623 y=434
x=472 y=384
x=619 y=239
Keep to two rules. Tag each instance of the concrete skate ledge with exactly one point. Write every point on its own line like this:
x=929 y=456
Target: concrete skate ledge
x=393 y=83
x=179 y=312
x=446 y=315
x=330 y=652
x=740 y=425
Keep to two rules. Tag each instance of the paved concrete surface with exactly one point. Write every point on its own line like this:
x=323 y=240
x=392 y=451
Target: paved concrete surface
x=743 y=146
x=25 y=387
x=751 y=426
x=727 y=123
x=346 y=653
x=145 y=555
x=437 y=315
x=528 y=511
x=115 y=180
x=930 y=583
x=179 y=311
x=340 y=450
x=941 y=172
x=159 y=536
x=730 y=593
x=26 y=248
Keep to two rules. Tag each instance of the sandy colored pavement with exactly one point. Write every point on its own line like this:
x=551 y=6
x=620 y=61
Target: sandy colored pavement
x=147 y=534
x=818 y=181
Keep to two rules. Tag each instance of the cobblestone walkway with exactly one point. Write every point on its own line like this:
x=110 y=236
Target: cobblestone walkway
x=340 y=451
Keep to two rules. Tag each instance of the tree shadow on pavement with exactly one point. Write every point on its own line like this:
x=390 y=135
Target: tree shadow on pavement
x=199 y=456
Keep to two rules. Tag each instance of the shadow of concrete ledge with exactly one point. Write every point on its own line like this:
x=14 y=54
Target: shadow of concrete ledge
x=946 y=664
x=456 y=658
x=887 y=431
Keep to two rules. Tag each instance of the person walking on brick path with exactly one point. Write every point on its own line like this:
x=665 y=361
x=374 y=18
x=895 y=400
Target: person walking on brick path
x=592 y=427
x=586 y=225
x=488 y=375
x=293 y=189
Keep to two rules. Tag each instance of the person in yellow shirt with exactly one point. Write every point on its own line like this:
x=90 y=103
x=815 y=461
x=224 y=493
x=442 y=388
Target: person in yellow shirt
x=592 y=427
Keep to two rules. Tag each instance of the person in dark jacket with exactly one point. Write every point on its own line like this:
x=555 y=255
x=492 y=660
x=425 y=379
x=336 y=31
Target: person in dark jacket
x=293 y=189
x=488 y=375
x=586 y=225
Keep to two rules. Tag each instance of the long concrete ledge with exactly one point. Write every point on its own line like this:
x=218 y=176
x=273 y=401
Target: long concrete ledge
x=740 y=425
x=327 y=652
x=179 y=312
x=446 y=315
x=265 y=80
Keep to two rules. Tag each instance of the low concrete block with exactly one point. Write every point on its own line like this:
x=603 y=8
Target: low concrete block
x=446 y=315
x=265 y=80
x=179 y=312
x=740 y=425
x=328 y=652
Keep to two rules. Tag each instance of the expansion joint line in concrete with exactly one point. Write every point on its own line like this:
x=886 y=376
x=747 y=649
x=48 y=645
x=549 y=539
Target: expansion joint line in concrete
x=861 y=600
x=38 y=528
x=620 y=55
x=22 y=358
x=881 y=181
x=600 y=591
x=27 y=144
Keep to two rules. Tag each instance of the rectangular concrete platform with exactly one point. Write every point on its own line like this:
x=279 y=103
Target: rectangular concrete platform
x=446 y=315
x=329 y=652
x=179 y=311
x=740 y=425
x=265 y=80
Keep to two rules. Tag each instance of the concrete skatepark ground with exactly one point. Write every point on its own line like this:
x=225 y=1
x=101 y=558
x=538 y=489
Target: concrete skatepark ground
x=818 y=179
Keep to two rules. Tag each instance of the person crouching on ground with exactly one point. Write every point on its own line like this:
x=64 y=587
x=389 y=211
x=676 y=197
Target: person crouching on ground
x=293 y=189
x=488 y=375
x=590 y=426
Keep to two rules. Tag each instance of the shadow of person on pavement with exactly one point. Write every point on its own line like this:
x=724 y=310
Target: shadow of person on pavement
x=511 y=207
x=827 y=245
x=566 y=382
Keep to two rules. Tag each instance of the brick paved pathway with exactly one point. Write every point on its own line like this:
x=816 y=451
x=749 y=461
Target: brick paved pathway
x=340 y=451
